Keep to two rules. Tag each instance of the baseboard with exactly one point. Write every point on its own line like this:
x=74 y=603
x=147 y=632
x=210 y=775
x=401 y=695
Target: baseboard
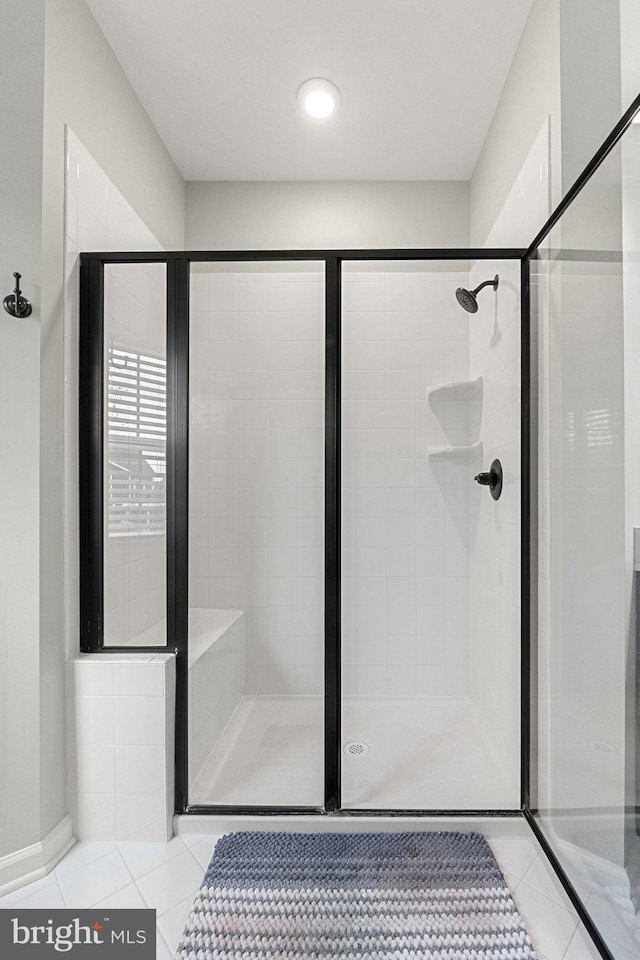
x=36 y=861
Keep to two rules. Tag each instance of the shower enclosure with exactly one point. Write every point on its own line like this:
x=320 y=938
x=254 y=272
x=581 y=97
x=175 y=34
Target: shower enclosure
x=278 y=452
x=278 y=461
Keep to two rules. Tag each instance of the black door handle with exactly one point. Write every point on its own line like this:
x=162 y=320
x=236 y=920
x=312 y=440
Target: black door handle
x=492 y=479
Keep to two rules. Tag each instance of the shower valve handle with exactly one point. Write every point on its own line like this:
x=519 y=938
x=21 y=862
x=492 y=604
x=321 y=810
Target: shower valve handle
x=486 y=479
x=492 y=478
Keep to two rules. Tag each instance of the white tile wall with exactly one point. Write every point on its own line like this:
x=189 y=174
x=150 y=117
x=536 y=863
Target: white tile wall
x=257 y=448
x=495 y=353
x=495 y=525
x=405 y=516
x=120 y=736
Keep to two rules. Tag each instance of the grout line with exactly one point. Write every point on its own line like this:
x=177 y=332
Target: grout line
x=113 y=892
x=144 y=900
x=89 y=863
x=160 y=934
x=133 y=879
x=59 y=887
x=190 y=897
x=570 y=909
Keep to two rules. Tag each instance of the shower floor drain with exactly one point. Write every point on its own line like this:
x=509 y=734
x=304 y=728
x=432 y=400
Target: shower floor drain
x=356 y=748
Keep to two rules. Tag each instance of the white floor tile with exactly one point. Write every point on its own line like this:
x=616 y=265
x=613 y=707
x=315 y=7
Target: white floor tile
x=619 y=952
x=514 y=854
x=81 y=854
x=190 y=839
x=549 y=925
x=141 y=858
x=582 y=948
x=48 y=897
x=203 y=850
x=128 y=898
x=168 y=876
x=621 y=925
x=541 y=877
x=162 y=950
x=95 y=881
x=511 y=881
x=193 y=839
x=171 y=883
x=29 y=890
x=171 y=924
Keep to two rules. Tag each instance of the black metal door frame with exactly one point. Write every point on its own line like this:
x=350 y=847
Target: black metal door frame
x=91 y=439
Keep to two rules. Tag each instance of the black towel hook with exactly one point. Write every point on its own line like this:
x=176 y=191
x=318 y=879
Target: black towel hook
x=15 y=304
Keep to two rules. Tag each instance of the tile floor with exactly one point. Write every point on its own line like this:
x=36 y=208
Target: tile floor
x=167 y=876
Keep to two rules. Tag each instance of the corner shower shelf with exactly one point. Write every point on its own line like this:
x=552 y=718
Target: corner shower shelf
x=456 y=390
x=461 y=452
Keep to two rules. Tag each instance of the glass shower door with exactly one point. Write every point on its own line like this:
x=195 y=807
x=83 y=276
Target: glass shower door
x=256 y=634
x=585 y=294
x=430 y=563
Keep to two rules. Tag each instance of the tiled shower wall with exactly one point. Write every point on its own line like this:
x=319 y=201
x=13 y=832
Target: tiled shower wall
x=495 y=525
x=257 y=466
x=405 y=514
x=495 y=352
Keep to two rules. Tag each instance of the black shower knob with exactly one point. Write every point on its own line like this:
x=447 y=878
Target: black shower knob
x=492 y=479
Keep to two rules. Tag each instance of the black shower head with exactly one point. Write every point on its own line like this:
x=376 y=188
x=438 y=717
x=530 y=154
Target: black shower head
x=467 y=298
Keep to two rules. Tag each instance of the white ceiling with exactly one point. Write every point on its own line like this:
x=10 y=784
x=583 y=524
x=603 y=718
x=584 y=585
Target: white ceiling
x=420 y=81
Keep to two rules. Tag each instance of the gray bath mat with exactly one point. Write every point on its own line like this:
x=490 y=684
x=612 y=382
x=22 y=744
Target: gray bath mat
x=354 y=896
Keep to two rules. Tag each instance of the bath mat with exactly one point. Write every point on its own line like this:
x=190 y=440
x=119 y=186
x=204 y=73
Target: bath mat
x=354 y=896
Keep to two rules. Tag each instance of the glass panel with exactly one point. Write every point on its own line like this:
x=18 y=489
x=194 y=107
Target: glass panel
x=257 y=534
x=586 y=292
x=135 y=434
x=431 y=593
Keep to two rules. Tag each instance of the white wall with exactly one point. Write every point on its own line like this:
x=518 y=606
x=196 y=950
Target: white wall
x=530 y=95
x=21 y=109
x=590 y=80
x=629 y=60
x=326 y=215
x=85 y=88
x=567 y=67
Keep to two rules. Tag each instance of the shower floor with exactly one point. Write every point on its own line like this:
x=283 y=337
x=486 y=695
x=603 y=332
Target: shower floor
x=424 y=753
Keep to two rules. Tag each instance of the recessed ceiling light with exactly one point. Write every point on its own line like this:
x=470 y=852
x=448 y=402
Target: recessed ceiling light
x=318 y=98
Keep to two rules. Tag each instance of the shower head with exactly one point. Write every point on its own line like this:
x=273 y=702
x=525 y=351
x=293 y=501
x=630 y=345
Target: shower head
x=467 y=298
